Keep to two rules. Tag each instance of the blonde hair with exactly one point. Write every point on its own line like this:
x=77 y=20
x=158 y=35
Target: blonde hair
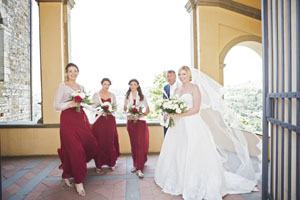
x=187 y=70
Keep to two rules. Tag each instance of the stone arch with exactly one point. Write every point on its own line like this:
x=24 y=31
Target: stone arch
x=251 y=41
x=245 y=40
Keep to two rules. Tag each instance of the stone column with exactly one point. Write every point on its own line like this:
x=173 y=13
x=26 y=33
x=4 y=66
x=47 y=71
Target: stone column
x=221 y=74
x=67 y=30
x=54 y=51
x=191 y=8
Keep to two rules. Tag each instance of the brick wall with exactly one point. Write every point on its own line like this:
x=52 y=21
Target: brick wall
x=15 y=51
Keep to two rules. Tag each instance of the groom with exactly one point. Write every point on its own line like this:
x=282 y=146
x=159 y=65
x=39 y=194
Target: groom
x=170 y=88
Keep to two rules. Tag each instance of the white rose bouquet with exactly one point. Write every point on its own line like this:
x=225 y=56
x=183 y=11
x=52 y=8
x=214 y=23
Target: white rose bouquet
x=80 y=97
x=106 y=108
x=170 y=106
x=134 y=110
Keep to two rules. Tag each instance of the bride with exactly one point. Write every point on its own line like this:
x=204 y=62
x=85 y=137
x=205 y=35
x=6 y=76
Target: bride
x=202 y=157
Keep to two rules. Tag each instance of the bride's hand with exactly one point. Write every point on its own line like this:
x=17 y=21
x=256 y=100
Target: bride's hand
x=173 y=115
x=165 y=117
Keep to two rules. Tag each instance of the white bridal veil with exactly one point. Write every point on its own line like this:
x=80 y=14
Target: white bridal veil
x=239 y=151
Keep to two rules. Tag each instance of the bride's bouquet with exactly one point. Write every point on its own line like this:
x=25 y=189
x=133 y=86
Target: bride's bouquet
x=170 y=106
x=106 y=108
x=135 y=111
x=80 y=97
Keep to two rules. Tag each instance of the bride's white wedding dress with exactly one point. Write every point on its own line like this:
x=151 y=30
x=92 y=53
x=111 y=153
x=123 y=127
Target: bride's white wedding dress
x=196 y=164
x=188 y=163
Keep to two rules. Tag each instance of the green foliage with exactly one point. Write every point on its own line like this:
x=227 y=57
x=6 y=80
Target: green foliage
x=246 y=102
x=156 y=93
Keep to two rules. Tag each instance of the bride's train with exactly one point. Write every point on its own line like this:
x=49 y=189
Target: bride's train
x=206 y=156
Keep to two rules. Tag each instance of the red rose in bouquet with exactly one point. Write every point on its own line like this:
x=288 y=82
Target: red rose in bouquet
x=77 y=99
x=135 y=110
x=80 y=97
x=106 y=108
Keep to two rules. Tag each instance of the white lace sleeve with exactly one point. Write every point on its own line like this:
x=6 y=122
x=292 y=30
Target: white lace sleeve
x=114 y=100
x=144 y=102
x=59 y=102
x=95 y=100
x=126 y=101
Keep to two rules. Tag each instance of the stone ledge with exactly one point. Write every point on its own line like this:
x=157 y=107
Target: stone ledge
x=6 y=125
x=71 y=3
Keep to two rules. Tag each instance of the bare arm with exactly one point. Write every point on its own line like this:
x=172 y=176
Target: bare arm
x=144 y=114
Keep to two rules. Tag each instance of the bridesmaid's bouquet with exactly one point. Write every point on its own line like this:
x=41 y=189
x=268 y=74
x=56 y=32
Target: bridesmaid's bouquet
x=106 y=108
x=80 y=97
x=135 y=111
x=170 y=106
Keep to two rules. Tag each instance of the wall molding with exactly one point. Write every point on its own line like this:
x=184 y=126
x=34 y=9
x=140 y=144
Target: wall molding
x=71 y=3
x=228 y=5
x=234 y=42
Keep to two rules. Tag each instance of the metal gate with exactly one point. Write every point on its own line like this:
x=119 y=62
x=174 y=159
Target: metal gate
x=281 y=104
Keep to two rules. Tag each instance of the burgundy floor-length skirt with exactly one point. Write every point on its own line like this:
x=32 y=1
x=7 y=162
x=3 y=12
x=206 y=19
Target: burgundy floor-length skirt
x=105 y=131
x=139 y=140
x=78 y=144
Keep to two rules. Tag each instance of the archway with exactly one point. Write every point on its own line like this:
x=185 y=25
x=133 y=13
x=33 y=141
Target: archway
x=242 y=78
x=251 y=41
x=139 y=45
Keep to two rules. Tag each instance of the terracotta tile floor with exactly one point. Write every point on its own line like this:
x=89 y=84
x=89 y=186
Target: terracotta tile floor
x=39 y=178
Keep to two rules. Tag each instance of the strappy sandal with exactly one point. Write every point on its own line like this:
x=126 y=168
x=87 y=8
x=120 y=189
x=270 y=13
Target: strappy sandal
x=99 y=171
x=133 y=169
x=67 y=182
x=140 y=174
x=79 y=189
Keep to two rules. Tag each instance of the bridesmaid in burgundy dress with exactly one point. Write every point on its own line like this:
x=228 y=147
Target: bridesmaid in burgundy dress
x=137 y=127
x=105 y=129
x=78 y=144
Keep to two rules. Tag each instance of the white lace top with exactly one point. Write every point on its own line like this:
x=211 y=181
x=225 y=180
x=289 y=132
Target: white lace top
x=130 y=101
x=62 y=97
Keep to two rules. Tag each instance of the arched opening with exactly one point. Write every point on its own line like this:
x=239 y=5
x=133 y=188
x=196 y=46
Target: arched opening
x=243 y=82
x=133 y=43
